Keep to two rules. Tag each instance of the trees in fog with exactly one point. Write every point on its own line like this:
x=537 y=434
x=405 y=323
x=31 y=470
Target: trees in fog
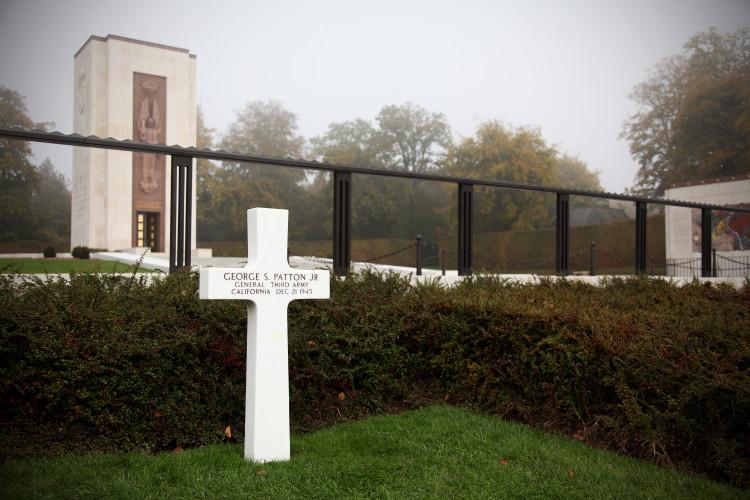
x=516 y=154
x=693 y=120
x=34 y=199
x=405 y=137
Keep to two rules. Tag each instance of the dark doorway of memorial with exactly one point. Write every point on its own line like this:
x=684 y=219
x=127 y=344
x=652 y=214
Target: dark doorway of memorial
x=147 y=230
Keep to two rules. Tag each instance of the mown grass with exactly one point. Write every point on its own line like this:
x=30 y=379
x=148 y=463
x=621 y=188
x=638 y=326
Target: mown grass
x=437 y=452
x=64 y=266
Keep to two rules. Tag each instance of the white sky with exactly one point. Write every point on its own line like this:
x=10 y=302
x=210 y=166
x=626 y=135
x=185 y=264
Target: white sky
x=564 y=66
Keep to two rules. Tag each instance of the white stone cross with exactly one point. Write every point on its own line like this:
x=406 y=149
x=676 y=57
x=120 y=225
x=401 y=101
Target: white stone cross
x=267 y=284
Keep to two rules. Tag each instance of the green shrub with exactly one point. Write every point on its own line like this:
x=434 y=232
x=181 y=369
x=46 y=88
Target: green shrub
x=346 y=355
x=81 y=252
x=118 y=364
x=640 y=365
x=49 y=252
x=104 y=363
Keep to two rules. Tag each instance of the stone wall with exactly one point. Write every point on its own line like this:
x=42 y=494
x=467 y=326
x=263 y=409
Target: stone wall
x=730 y=230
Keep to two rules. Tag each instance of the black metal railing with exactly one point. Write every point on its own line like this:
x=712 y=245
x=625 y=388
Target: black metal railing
x=720 y=266
x=342 y=196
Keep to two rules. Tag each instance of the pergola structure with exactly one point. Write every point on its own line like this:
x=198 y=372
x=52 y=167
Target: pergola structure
x=181 y=175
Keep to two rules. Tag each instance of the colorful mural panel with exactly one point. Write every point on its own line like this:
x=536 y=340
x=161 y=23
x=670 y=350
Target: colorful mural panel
x=730 y=231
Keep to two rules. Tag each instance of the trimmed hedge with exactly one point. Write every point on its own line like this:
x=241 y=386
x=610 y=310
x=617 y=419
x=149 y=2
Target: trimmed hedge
x=533 y=250
x=638 y=365
x=116 y=365
x=33 y=246
x=81 y=252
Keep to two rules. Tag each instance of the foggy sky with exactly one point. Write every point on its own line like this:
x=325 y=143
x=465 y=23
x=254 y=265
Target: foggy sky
x=565 y=67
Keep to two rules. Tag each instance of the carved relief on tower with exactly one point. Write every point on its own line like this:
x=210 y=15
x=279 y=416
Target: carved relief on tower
x=82 y=88
x=149 y=127
x=149 y=170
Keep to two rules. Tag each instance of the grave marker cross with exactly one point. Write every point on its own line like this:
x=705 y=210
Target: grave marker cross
x=267 y=284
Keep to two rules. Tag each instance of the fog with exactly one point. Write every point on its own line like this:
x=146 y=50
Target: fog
x=564 y=67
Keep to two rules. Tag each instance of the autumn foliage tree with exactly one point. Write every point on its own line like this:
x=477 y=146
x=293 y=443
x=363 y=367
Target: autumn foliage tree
x=693 y=118
x=349 y=143
x=411 y=138
x=404 y=137
x=516 y=154
x=262 y=128
x=573 y=173
x=712 y=130
x=356 y=143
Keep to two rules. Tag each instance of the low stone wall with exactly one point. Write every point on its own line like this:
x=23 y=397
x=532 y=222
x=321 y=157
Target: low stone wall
x=428 y=275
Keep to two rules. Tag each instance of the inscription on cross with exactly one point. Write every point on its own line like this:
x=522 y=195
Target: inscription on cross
x=267 y=284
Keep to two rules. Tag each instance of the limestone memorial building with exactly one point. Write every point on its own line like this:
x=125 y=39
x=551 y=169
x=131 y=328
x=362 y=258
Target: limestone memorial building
x=730 y=231
x=129 y=89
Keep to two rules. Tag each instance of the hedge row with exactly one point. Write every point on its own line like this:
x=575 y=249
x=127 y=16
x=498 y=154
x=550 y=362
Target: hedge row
x=535 y=249
x=638 y=365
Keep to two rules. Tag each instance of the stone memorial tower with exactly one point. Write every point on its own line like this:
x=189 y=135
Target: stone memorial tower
x=129 y=89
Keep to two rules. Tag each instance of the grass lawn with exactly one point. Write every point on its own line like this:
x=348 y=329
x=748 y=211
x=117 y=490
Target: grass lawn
x=438 y=452
x=64 y=266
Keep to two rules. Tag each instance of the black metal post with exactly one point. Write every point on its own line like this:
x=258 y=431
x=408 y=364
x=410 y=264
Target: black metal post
x=173 y=264
x=181 y=212
x=465 y=237
x=181 y=218
x=419 y=255
x=189 y=212
x=342 y=222
x=714 y=274
x=592 y=267
x=706 y=242
x=444 y=254
x=563 y=233
x=641 y=217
